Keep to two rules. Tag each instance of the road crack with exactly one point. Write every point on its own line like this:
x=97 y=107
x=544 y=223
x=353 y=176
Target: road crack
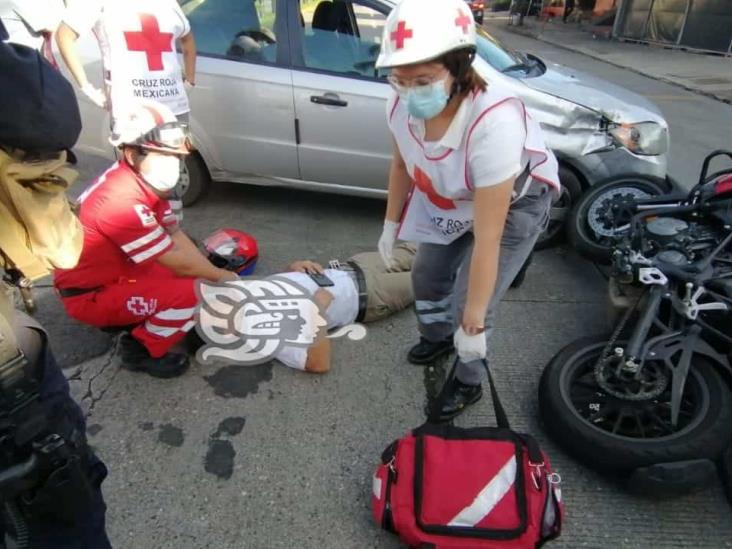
x=89 y=395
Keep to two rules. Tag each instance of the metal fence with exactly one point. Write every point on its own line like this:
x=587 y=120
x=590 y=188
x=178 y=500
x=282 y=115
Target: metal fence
x=698 y=24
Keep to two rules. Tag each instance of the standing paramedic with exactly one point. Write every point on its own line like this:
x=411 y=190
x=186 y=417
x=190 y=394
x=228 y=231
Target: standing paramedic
x=471 y=180
x=137 y=267
x=137 y=39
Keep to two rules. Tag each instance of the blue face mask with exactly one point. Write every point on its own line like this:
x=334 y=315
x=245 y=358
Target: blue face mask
x=426 y=102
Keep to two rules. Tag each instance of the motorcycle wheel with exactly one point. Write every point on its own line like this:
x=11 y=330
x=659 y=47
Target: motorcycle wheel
x=592 y=228
x=615 y=435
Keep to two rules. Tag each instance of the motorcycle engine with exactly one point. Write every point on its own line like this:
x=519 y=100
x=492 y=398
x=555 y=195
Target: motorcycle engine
x=665 y=230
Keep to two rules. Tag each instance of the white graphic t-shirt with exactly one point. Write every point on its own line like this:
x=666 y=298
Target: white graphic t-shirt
x=342 y=311
x=137 y=40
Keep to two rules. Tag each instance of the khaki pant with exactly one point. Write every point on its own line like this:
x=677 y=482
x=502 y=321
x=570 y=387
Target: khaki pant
x=388 y=290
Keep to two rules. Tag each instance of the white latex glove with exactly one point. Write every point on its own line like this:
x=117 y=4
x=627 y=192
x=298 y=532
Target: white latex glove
x=470 y=347
x=95 y=95
x=386 y=242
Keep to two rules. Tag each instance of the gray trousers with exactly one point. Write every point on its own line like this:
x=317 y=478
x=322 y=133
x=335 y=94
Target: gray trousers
x=440 y=273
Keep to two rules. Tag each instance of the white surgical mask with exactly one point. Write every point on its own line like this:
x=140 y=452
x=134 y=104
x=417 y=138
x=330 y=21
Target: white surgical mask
x=161 y=171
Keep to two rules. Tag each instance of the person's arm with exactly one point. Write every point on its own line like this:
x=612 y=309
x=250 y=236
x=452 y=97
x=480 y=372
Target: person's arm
x=66 y=38
x=184 y=259
x=188 y=47
x=491 y=210
x=399 y=185
x=318 y=360
x=305 y=266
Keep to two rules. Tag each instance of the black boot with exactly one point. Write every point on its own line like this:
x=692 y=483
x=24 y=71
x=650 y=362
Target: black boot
x=135 y=357
x=453 y=399
x=521 y=275
x=426 y=351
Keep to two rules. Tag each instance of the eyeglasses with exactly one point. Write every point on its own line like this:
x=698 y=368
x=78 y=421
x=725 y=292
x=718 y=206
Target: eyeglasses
x=403 y=85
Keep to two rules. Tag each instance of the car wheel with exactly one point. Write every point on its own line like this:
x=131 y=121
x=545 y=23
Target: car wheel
x=571 y=191
x=194 y=180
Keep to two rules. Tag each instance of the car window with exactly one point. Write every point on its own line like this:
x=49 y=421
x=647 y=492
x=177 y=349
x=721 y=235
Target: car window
x=496 y=54
x=341 y=37
x=236 y=29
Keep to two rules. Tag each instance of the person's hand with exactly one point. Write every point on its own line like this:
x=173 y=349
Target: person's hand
x=95 y=95
x=306 y=266
x=189 y=83
x=227 y=276
x=470 y=347
x=386 y=242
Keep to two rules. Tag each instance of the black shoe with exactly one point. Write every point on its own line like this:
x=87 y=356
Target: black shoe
x=521 y=275
x=193 y=342
x=453 y=399
x=135 y=357
x=425 y=351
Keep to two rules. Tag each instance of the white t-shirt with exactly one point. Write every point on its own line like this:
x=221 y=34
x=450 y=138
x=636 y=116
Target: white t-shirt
x=342 y=311
x=501 y=137
x=491 y=139
x=137 y=40
x=25 y=20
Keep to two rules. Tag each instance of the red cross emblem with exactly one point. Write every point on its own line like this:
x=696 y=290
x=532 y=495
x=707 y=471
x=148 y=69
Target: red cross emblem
x=424 y=184
x=401 y=34
x=150 y=40
x=462 y=21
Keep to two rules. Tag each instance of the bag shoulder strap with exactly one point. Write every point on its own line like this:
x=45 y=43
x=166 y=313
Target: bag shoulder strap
x=499 y=411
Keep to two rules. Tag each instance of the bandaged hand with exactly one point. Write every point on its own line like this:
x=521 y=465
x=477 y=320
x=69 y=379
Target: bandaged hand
x=95 y=95
x=387 y=241
x=470 y=347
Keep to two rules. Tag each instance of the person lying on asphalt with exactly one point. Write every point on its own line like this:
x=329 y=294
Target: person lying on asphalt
x=364 y=290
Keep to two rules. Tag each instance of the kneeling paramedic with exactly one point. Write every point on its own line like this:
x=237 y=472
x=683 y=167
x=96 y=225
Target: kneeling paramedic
x=138 y=268
x=471 y=180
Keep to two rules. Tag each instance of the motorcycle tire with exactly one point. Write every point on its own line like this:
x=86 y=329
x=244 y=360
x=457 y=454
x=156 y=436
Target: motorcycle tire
x=582 y=231
x=706 y=435
x=725 y=470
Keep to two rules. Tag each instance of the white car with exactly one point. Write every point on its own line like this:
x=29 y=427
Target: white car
x=287 y=94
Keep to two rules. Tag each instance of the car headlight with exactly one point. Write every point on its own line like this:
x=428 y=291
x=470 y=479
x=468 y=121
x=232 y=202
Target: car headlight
x=645 y=138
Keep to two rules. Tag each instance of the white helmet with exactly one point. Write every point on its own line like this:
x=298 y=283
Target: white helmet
x=151 y=126
x=421 y=30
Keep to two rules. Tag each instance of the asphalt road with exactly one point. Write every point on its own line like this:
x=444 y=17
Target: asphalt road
x=268 y=457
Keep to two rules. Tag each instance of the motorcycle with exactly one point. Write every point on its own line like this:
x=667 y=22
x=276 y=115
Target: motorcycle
x=601 y=217
x=652 y=401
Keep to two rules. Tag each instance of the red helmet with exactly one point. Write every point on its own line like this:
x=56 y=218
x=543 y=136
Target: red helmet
x=232 y=250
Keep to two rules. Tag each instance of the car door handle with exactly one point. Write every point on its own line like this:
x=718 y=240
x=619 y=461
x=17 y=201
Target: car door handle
x=330 y=99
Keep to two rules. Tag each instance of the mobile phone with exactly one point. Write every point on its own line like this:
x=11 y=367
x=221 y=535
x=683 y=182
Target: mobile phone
x=321 y=280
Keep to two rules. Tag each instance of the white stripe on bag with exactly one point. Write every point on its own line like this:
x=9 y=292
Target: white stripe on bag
x=149 y=237
x=176 y=314
x=142 y=256
x=488 y=497
x=162 y=331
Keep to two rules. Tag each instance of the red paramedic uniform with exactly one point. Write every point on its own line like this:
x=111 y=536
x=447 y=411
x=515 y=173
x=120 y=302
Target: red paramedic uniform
x=118 y=281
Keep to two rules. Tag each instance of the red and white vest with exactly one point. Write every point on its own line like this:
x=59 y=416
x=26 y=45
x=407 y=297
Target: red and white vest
x=137 y=40
x=440 y=206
